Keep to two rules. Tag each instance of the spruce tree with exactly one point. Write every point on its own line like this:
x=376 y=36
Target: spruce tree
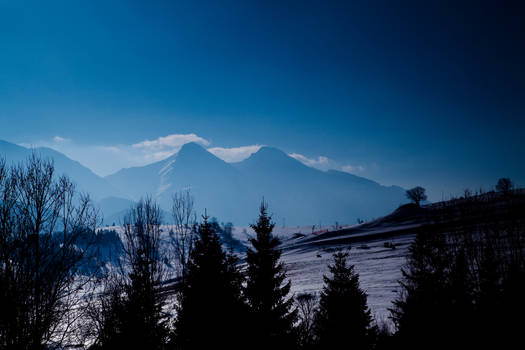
x=211 y=311
x=418 y=311
x=271 y=311
x=343 y=316
x=435 y=294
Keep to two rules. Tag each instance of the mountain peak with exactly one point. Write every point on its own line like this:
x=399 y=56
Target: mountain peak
x=192 y=147
x=270 y=153
x=270 y=157
x=194 y=152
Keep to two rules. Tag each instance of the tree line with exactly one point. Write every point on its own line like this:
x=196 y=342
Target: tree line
x=183 y=289
x=464 y=281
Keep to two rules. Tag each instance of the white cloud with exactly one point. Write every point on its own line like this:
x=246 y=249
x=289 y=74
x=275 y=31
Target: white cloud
x=321 y=162
x=234 y=154
x=325 y=163
x=107 y=159
x=173 y=141
x=352 y=169
x=58 y=139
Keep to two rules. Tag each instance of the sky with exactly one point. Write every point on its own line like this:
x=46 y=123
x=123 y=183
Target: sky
x=405 y=93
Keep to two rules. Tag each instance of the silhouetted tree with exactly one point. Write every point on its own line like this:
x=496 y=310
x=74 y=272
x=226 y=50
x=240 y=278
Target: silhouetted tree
x=416 y=195
x=108 y=318
x=504 y=185
x=212 y=312
x=421 y=310
x=271 y=310
x=343 y=316
x=184 y=230
x=131 y=308
x=306 y=306
x=42 y=218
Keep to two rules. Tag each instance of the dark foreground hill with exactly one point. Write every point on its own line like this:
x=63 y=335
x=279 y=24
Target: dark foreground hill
x=409 y=218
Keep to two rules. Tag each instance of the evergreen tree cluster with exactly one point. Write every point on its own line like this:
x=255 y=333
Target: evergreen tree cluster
x=464 y=283
x=225 y=304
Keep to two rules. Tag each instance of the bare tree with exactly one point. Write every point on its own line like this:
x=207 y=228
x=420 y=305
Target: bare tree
x=306 y=306
x=184 y=230
x=129 y=313
x=42 y=220
x=416 y=195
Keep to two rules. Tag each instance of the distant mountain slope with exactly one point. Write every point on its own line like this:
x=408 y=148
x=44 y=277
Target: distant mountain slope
x=113 y=209
x=297 y=194
x=315 y=195
x=85 y=179
x=215 y=184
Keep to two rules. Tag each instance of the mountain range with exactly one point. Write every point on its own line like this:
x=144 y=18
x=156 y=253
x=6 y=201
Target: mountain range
x=296 y=194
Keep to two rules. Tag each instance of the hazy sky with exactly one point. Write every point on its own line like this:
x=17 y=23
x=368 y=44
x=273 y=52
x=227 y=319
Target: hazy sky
x=410 y=93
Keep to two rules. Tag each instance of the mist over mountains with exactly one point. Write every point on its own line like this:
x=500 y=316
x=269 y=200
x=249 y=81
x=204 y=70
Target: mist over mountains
x=86 y=180
x=297 y=194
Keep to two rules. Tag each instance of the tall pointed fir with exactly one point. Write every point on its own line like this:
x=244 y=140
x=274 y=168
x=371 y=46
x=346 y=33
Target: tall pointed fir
x=422 y=310
x=272 y=316
x=343 y=316
x=212 y=311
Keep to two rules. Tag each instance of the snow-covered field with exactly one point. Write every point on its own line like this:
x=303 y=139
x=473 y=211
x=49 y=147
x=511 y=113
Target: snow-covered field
x=379 y=269
x=242 y=233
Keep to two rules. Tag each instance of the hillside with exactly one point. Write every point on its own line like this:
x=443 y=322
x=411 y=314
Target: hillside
x=84 y=178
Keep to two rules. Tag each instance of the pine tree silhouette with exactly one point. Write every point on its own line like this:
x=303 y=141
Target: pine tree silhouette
x=419 y=310
x=212 y=311
x=271 y=310
x=343 y=316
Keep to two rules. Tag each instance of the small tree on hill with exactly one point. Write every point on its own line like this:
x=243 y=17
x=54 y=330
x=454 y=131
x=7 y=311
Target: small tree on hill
x=504 y=185
x=343 y=316
x=416 y=195
x=266 y=292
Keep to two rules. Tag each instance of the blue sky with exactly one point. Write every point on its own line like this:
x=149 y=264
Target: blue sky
x=409 y=93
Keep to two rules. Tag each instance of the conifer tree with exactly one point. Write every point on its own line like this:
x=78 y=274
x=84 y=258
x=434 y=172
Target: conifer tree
x=271 y=310
x=343 y=316
x=211 y=311
x=418 y=311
